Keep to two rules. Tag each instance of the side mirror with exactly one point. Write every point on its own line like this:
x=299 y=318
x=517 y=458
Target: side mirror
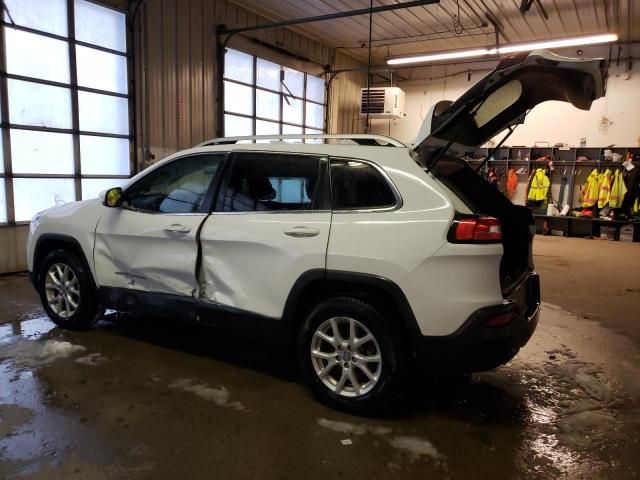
x=112 y=197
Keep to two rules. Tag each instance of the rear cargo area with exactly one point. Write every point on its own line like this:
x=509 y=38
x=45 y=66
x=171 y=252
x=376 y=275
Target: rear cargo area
x=483 y=198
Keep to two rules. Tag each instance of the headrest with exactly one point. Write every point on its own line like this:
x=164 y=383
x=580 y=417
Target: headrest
x=260 y=188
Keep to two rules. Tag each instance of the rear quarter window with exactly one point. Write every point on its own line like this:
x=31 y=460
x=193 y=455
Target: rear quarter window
x=357 y=185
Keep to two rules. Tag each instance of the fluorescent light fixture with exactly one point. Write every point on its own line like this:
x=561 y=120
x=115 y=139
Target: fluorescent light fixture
x=478 y=52
x=522 y=47
x=562 y=43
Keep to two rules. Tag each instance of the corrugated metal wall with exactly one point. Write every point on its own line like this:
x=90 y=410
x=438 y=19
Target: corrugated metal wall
x=344 y=105
x=175 y=65
x=13 y=251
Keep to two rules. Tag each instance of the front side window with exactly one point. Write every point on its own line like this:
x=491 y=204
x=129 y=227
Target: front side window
x=262 y=182
x=178 y=187
x=359 y=186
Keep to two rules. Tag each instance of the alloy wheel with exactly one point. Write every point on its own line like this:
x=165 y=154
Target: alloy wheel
x=346 y=356
x=62 y=290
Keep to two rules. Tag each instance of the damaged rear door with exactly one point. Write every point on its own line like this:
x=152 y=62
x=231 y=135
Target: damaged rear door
x=149 y=242
x=270 y=225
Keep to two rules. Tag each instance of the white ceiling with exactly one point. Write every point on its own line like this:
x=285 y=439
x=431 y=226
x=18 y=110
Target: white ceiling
x=431 y=27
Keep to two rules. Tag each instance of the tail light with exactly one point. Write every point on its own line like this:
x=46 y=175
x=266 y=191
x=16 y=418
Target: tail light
x=500 y=320
x=475 y=230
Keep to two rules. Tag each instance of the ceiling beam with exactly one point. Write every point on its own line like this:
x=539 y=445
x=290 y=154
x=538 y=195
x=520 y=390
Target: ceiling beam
x=222 y=30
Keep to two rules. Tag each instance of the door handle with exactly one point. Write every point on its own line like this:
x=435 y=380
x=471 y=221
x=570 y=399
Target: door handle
x=177 y=228
x=302 y=232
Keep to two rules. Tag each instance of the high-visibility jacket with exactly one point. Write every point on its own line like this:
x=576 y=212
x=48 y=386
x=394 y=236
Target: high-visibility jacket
x=539 y=186
x=604 y=192
x=618 y=190
x=512 y=182
x=590 y=190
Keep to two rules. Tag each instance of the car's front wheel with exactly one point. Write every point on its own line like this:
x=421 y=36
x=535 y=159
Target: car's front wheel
x=350 y=356
x=67 y=292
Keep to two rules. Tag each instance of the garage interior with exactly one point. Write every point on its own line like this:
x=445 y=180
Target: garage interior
x=93 y=92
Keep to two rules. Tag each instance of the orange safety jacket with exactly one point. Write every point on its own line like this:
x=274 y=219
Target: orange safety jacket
x=512 y=182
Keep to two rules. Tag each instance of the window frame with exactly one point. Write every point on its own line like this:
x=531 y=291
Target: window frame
x=323 y=194
x=8 y=176
x=281 y=93
x=212 y=190
x=394 y=190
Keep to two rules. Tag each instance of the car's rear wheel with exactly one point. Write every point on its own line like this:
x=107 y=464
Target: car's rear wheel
x=350 y=356
x=66 y=291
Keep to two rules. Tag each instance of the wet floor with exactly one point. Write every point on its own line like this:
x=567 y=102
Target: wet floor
x=154 y=400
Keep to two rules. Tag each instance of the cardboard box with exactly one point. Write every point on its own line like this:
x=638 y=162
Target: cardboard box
x=626 y=233
x=608 y=232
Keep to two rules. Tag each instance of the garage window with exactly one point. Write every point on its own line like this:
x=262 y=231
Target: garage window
x=64 y=104
x=265 y=98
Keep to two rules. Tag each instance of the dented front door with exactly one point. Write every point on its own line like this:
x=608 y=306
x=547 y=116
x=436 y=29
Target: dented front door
x=149 y=242
x=141 y=251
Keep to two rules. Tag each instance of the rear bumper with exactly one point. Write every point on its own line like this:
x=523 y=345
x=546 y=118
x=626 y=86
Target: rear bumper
x=476 y=347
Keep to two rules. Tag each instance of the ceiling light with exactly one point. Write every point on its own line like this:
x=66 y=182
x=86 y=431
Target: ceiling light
x=522 y=47
x=433 y=57
x=564 y=42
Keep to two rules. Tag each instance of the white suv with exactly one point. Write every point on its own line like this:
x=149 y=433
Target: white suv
x=366 y=257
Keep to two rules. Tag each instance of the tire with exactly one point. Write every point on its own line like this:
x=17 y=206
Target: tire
x=375 y=393
x=67 y=291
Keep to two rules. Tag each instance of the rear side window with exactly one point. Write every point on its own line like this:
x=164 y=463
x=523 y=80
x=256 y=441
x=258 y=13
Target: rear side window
x=359 y=186
x=262 y=182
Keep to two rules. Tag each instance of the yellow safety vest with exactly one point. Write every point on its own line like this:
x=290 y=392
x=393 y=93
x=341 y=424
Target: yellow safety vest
x=604 y=192
x=539 y=186
x=618 y=190
x=590 y=190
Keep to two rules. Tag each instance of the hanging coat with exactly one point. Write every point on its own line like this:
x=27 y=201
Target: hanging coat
x=590 y=190
x=492 y=177
x=618 y=190
x=539 y=186
x=604 y=192
x=512 y=182
x=632 y=181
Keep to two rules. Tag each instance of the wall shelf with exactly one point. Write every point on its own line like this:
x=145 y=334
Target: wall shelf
x=566 y=165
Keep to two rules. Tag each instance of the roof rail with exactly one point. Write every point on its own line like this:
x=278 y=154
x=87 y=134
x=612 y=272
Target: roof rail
x=359 y=138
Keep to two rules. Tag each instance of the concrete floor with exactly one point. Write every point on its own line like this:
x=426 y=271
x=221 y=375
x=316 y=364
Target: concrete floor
x=153 y=400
